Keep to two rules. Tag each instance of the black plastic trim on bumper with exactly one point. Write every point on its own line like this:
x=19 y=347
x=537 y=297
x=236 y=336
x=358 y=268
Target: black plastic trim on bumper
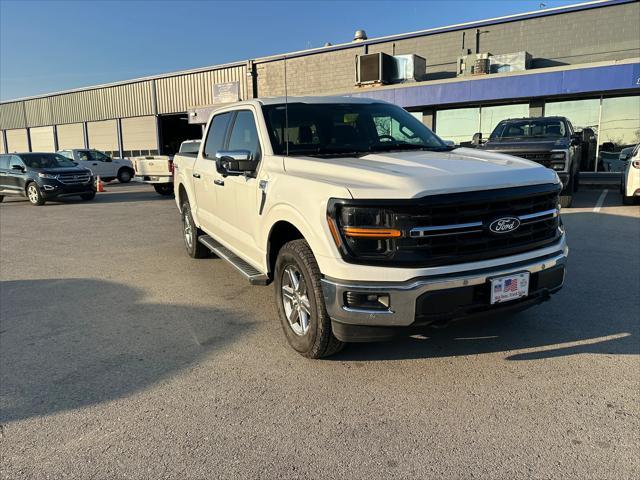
x=365 y=333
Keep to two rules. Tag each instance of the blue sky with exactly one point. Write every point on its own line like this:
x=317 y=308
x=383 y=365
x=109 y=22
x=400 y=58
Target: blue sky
x=47 y=46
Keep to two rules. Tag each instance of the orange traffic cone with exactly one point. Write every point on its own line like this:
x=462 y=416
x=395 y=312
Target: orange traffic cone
x=99 y=185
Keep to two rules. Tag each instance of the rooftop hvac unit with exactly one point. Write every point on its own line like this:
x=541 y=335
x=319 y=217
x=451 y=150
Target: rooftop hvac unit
x=375 y=68
x=409 y=67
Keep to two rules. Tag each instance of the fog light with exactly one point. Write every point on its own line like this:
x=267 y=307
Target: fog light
x=368 y=301
x=49 y=187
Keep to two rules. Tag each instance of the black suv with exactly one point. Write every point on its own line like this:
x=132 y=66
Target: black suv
x=44 y=176
x=550 y=141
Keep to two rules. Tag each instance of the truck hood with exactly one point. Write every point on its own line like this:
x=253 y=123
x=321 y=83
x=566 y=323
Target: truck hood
x=418 y=173
x=529 y=145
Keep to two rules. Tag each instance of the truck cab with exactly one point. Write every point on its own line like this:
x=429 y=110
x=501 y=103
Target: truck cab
x=368 y=224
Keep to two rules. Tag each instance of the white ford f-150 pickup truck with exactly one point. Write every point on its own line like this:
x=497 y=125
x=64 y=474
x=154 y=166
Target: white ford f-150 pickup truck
x=368 y=224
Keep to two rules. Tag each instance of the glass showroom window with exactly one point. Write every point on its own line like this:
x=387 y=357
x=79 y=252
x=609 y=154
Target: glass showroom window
x=619 y=128
x=458 y=125
x=491 y=116
x=582 y=114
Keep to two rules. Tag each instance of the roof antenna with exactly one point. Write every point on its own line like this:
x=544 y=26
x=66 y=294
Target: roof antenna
x=286 y=108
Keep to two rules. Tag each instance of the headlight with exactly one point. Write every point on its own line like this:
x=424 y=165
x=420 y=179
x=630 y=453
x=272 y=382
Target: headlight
x=558 y=160
x=363 y=231
x=50 y=176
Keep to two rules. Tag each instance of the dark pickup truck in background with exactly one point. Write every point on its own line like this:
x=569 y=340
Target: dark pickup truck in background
x=549 y=141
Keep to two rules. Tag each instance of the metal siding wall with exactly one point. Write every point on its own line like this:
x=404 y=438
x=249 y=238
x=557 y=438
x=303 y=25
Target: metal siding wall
x=42 y=139
x=77 y=107
x=12 y=115
x=38 y=112
x=103 y=135
x=177 y=94
x=17 y=140
x=2 y=142
x=139 y=133
x=129 y=100
x=70 y=136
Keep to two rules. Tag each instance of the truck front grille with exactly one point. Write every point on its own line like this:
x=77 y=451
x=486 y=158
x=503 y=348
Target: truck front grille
x=74 y=178
x=455 y=228
x=543 y=158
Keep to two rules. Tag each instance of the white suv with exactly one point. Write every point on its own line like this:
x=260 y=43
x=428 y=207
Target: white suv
x=101 y=164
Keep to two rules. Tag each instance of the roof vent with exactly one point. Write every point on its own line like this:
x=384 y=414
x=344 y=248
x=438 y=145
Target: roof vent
x=360 y=36
x=328 y=44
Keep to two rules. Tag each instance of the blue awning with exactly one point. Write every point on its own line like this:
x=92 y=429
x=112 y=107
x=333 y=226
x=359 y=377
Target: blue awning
x=574 y=81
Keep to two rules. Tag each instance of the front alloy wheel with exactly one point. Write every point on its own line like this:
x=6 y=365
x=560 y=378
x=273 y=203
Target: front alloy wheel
x=34 y=195
x=300 y=302
x=295 y=300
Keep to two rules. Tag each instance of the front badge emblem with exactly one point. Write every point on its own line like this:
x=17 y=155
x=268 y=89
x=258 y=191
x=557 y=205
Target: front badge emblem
x=504 y=225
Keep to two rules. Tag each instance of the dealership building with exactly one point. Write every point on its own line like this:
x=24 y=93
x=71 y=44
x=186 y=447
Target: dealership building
x=580 y=61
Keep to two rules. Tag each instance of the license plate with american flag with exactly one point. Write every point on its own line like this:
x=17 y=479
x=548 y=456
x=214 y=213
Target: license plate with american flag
x=509 y=287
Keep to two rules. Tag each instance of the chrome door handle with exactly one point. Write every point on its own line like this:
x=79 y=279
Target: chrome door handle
x=219 y=182
x=196 y=175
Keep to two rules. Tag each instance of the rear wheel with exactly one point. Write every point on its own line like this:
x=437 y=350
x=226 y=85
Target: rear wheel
x=164 y=188
x=627 y=200
x=124 y=175
x=34 y=194
x=191 y=233
x=303 y=314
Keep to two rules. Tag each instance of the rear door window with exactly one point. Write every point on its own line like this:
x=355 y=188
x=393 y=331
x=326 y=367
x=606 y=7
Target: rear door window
x=216 y=135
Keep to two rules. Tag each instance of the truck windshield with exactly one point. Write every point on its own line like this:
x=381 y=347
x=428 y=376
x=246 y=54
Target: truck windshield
x=529 y=128
x=346 y=129
x=46 y=160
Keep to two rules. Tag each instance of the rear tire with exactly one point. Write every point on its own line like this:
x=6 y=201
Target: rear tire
x=124 y=175
x=164 y=188
x=300 y=302
x=627 y=200
x=191 y=233
x=34 y=194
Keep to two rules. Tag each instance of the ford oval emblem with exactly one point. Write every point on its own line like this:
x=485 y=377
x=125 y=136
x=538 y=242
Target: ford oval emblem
x=504 y=225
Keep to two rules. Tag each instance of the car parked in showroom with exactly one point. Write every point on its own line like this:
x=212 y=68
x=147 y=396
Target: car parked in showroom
x=44 y=176
x=630 y=179
x=369 y=225
x=101 y=164
x=549 y=141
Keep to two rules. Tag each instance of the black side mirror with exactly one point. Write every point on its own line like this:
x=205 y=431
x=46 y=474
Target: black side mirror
x=477 y=139
x=17 y=167
x=235 y=162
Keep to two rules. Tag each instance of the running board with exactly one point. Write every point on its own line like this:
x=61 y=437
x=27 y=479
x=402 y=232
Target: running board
x=252 y=274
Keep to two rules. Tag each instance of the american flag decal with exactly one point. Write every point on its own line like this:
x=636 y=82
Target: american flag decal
x=511 y=285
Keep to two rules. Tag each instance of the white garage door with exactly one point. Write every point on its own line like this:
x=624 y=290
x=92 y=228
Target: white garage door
x=70 y=136
x=17 y=140
x=2 y=142
x=139 y=136
x=42 y=139
x=103 y=136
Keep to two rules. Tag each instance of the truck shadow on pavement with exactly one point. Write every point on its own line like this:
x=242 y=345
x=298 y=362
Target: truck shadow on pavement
x=596 y=311
x=98 y=341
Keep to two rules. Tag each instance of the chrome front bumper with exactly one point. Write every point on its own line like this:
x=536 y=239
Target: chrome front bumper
x=403 y=296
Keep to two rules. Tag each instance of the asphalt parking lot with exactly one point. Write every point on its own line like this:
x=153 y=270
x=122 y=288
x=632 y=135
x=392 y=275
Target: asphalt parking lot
x=120 y=357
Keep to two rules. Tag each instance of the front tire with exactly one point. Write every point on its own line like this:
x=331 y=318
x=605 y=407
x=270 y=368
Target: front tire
x=88 y=196
x=300 y=302
x=164 y=188
x=191 y=233
x=124 y=175
x=34 y=194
